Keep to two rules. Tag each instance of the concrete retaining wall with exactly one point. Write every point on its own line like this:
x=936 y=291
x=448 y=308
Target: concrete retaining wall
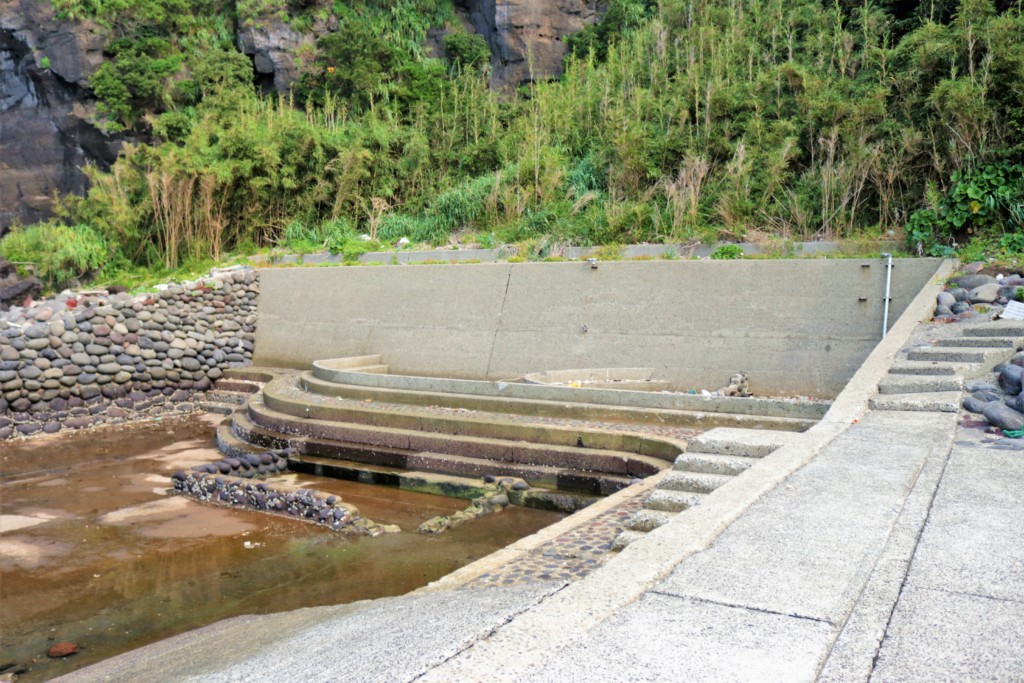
x=796 y=326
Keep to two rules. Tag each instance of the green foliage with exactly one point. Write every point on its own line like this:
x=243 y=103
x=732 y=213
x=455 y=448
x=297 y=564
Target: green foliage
x=44 y=62
x=60 y=255
x=983 y=202
x=727 y=252
x=673 y=122
x=466 y=50
x=622 y=16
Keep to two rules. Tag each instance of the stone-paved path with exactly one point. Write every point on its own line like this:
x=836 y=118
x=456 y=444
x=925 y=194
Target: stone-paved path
x=568 y=557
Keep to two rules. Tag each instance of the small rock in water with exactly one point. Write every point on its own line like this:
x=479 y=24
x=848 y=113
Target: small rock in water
x=64 y=649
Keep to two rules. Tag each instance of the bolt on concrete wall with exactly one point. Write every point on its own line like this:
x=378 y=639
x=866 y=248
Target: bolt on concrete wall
x=796 y=326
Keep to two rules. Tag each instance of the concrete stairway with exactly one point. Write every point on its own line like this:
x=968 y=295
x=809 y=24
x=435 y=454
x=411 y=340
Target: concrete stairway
x=711 y=460
x=932 y=378
x=381 y=443
x=228 y=395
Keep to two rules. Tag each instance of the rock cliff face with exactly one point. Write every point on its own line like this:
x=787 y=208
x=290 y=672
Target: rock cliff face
x=526 y=35
x=45 y=131
x=47 y=111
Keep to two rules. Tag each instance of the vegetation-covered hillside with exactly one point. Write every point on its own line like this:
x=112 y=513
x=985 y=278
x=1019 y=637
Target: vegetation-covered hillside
x=674 y=121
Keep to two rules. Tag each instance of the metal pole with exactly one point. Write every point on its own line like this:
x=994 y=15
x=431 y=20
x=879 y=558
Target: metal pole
x=888 y=284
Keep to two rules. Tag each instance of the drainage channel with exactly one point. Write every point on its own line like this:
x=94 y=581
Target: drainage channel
x=95 y=552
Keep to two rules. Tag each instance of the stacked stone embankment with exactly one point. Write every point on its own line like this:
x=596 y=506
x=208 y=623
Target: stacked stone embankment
x=82 y=359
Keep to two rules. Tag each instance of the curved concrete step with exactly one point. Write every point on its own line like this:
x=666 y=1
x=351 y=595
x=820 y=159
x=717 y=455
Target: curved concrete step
x=593 y=483
x=693 y=482
x=483 y=448
x=710 y=463
x=351 y=363
x=372 y=369
x=672 y=501
x=284 y=396
x=551 y=409
x=230 y=445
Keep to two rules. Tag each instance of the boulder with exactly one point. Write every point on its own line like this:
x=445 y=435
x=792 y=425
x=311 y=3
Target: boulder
x=1003 y=416
x=973 y=280
x=1010 y=379
x=984 y=294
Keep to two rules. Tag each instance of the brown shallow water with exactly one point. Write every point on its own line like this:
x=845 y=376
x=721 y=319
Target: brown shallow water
x=94 y=551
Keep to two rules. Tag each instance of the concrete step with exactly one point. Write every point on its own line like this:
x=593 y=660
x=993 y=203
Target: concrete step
x=911 y=384
x=978 y=342
x=944 y=402
x=710 y=463
x=626 y=537
x=648 y=520
x=501 y=405
x=929 y=368
x=218 y=407
x=694 y=482
x=233 y=397
x=996 y=329
x=749 y=443
x=953 y=355
x=240 y=386
x=354 y=362
x=230 y=445
x=287 y=398
x=672 y=501
x=593 y=483
x=370 y=369
x=484 y=448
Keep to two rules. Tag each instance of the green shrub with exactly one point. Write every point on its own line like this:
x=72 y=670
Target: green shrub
x=60 y=255
x=466 y=50
x=728 y=252
x=982 y=202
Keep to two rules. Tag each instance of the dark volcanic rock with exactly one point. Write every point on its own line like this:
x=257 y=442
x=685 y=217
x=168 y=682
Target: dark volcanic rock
x=1004 y=417
x=47 y=134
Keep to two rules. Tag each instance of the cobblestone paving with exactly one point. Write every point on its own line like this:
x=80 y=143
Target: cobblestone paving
x=568 y=557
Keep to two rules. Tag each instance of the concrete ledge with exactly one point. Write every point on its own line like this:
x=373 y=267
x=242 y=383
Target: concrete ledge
x=619 y=398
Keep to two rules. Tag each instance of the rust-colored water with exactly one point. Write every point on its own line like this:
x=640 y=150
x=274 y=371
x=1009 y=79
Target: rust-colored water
x=94 y=551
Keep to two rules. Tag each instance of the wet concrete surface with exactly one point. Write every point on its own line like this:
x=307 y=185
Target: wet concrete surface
x=94 y=551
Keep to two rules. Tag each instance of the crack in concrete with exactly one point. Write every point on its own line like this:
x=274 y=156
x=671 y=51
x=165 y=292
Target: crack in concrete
x=497 y=324
x=491 y=631
x=762 y=610
x=910 y=565
x=970 y=594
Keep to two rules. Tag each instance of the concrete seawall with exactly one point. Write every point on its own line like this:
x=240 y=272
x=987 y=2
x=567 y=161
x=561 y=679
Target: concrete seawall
x=796 y=326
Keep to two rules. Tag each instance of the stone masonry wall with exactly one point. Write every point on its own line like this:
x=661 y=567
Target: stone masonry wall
x=78 y=360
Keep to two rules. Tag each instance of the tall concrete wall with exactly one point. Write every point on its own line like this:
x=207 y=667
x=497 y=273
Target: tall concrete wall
x=796 y=326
